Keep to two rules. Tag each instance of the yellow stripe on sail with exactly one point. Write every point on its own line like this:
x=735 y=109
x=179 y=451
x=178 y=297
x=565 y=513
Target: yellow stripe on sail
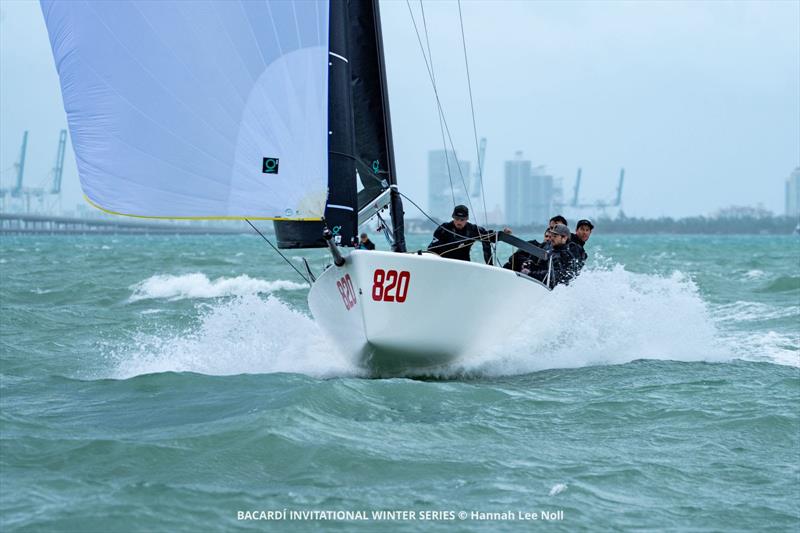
x=104 y=210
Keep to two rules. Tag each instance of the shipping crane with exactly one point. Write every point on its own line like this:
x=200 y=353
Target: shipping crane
x=19 y=167
x=618 y=201
x=58 y=169
x=51 y=185
x=574 y=202
x=600 y=205
x=477 y=176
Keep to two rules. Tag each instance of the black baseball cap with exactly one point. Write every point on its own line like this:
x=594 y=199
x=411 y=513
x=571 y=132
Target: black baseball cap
x=584 y=222
x=460 y=211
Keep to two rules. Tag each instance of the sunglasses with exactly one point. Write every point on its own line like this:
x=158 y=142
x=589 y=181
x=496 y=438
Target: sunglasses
x=461 y=219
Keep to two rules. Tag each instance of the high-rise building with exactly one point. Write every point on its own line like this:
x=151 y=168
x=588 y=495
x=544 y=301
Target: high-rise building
x=793 y=194
x=529 y=192
x=446 y=178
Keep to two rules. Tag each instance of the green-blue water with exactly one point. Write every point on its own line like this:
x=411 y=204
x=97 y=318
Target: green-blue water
x=169 y=383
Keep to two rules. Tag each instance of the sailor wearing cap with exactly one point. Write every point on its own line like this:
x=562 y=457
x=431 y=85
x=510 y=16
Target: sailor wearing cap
x=583 y=230
x=562 y=265
x=454 y=239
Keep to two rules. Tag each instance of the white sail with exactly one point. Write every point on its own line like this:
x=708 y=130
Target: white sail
x=212 y=109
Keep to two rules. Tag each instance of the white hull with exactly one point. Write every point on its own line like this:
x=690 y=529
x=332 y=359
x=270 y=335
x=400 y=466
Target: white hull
x=439 y=310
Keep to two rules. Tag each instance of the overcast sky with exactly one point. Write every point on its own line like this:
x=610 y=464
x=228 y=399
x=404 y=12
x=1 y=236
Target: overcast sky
x=699 y=101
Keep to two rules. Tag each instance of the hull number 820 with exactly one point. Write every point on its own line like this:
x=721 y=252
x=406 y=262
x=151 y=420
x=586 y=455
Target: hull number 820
x=390 y=285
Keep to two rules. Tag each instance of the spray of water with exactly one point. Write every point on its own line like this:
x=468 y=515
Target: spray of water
x=245 y=335
x=199 y=286
x=608 y=316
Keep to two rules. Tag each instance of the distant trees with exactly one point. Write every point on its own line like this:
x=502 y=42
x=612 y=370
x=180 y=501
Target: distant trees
x=719 y=225
x=728 y=221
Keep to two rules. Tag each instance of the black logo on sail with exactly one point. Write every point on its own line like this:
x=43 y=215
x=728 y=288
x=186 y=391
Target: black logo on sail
x=270 y=165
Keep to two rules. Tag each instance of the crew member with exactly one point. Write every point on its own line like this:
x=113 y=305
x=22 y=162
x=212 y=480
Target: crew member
x=558 y=219
x=519 y=257
x=364 y=243
x=562 y=265
x=454 y=239
x=577 y=240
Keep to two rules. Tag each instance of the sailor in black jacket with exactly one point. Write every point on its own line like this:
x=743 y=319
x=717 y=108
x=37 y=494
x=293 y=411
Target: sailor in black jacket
x=577 y=240
x=519 y=257
x=562 y=266
x=364 y=243
x=454 y=239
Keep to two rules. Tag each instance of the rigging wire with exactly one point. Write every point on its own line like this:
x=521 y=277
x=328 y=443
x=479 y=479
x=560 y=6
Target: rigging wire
x=438 y=101
x=472 y=110
x=279 y=252
x=480 y=236
x=439 y=113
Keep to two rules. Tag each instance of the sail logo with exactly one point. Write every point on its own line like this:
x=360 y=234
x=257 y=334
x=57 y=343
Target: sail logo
x=269 y=165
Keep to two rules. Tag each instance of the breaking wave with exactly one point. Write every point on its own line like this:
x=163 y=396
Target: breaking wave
x=609 y=316
x=198 y=285
x=783 y=284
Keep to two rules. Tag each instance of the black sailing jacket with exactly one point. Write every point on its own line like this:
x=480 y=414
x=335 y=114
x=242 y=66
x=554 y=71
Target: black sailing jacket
x=576 y=248
x=519 y=257
x=450 y=242
x=565 y=265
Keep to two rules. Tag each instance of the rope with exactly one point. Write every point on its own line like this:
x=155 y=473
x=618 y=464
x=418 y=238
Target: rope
x=439 y=114
x=461 y=237
x=438 y=102
x=472 y=109
x=279 y=252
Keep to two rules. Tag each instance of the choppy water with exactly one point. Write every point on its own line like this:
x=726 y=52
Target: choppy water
x=167 y=383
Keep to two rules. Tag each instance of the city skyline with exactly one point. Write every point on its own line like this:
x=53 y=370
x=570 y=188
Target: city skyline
x=699 y=101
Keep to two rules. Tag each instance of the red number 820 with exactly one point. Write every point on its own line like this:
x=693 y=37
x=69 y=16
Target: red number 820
x=390 y=286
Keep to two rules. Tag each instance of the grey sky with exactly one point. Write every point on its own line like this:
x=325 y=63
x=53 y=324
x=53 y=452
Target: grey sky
x=699 y=101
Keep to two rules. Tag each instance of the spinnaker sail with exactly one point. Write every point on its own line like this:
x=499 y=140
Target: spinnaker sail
x=213 y=109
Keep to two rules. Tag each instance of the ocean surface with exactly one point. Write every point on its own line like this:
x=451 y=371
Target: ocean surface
x=178 y=383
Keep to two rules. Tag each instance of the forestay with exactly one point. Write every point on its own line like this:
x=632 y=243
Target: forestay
x=197 y=109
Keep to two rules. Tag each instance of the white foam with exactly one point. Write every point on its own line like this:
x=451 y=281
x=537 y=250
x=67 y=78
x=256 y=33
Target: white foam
x=771 y=347
x=558 y=488
x=37 y=290
x=198 y=285
x=609 y=317
x=743 y=311
x=245 y=335
x=754 y=274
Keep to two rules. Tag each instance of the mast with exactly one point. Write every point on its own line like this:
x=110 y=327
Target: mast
x=396 y=206
x=371 y=117
x=341 y=211
x=360 y=133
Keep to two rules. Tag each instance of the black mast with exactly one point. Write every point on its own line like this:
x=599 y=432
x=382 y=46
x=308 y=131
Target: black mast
x=360 y=132
x=371 y=118
x=341 y=211
x=396 y=207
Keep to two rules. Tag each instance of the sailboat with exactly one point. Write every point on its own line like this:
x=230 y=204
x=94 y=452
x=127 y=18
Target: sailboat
x=275 y=110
